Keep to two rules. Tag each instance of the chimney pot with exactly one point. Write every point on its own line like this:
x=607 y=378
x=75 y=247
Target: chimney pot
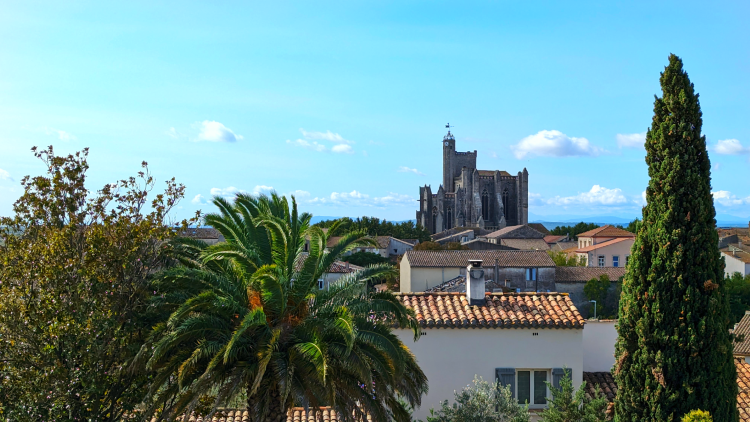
x=475 y=288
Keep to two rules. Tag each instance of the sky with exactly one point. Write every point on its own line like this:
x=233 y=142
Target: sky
x=344 y=104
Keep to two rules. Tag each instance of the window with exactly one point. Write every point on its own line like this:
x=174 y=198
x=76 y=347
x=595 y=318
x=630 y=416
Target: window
x=485 y=205
x=506 y=211
x=627 y=259
x=615 y=261
x=464 y=239
x=601 y=260
x=531 y=274
x=449 y=220
x=321 y=284
x=434 y=219
x=307 y=246
x=528 y=385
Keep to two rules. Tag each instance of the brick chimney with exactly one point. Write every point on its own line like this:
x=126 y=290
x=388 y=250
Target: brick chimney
x=475 y=283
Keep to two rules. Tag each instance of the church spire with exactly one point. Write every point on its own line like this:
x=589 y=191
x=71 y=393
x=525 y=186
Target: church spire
x=449 y=136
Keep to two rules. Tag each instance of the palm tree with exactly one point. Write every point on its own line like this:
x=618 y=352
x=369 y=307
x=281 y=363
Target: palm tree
x=246 y=316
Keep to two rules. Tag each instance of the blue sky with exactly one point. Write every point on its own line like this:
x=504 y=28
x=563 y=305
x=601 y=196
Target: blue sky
x=344 y=103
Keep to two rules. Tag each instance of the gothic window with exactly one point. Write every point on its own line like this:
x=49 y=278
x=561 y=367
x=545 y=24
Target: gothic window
x=449 y=222
x=434 y=219
x=485 y=205
x=506 y=211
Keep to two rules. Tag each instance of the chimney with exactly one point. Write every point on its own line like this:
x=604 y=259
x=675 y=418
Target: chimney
x=475 y=283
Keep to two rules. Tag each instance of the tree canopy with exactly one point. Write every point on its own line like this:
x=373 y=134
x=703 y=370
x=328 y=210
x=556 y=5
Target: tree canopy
x=375 y=227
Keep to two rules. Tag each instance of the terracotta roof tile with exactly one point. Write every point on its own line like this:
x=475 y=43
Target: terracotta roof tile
x=604 y=380
x=501 y=310
x=737 y=251
x=553 y=238
x=605 y=244
x=584 y=274
x=461 y=258
x=607 y=231
x=539 y=227
x=525 y=244
x=743 y=328
x=296 y=414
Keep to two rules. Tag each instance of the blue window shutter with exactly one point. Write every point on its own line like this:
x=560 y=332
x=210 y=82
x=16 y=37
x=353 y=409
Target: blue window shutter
x=558 y=374
x=507 y=377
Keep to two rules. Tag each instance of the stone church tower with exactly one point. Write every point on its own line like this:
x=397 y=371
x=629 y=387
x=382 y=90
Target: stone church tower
x=473 y=198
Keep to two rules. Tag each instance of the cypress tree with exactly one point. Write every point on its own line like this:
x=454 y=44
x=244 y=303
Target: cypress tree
x=674 y=350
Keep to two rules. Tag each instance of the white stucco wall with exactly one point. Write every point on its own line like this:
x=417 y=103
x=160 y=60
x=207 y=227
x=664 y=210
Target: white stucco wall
x=599 y=339
x=451 y=357
x=735 y=265
x=398 y=247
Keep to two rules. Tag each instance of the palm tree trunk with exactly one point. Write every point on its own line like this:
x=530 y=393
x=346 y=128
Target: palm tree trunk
x=274 y=411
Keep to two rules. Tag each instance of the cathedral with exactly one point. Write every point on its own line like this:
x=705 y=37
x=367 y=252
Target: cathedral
x=473 y=198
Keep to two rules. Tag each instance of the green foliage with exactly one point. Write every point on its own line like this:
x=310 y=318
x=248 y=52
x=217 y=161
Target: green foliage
x=674 y=350
x=632 y=227
x=569 y=405
x=563 y=259
x=246 y=317
x=375 y=227
x=738 y=291
x=74 y=287
x=481 y=402
x=697 y=416
x=363 y=259
x=573 y=231
x=596 y=289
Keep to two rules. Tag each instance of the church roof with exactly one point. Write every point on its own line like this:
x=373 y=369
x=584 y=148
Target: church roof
x=523 y=231
x=492 y=173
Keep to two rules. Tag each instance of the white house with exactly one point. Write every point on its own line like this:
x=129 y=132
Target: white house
x=520 y=339
x=737 y=258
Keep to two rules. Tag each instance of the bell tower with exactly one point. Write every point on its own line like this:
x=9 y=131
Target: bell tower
x=449 y=155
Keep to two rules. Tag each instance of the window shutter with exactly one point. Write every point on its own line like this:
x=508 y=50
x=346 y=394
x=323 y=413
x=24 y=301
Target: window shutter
x=507 y=377
x=558 y=374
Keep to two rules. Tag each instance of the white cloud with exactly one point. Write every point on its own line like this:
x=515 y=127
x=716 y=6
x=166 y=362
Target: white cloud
x=535 y=199
x=299 y=194
x=643 y=198
x=356 y=198
x=598 y=195
x=310 y=141
x=727 y=199
x=307 y=144
x=730 y=147
x=326 y=136
x=404 y=169
x=4 y=175
x=199 y=200
x=262 y=189
x=61 y=134
x=342 y=149
x=229 y=192
x=553 y=143
x=213 y=131
x=172 y=132
x=631 y=140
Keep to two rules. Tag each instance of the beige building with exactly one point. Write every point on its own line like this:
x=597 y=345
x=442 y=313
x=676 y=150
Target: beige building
x=526 y=270
x=519 y=339
x=606 y=246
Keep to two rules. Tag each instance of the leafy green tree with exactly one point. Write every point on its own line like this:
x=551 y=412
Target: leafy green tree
x=375 y=227
x=569 y=405
x=363 y=259
x=246 y=316
x=563 y=259
x=738 y=291
x=674 y=351
x=697 y=416
x=481 y=402
x=596 y=289
x=74 y=289
x=573 y=231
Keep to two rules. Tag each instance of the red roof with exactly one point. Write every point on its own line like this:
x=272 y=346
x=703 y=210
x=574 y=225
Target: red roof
x=604 y=244
x=607 y=231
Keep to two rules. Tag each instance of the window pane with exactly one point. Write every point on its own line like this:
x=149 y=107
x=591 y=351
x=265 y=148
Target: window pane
x=615 y=261
x=540 y=388
x=524 y=387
